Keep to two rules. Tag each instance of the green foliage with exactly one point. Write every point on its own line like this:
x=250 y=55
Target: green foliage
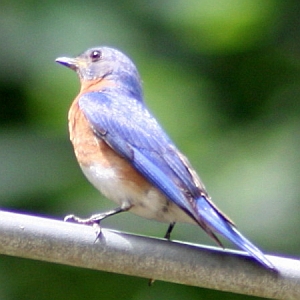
x=221 y=76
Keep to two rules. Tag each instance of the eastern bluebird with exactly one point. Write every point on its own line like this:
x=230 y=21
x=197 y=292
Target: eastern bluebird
x=125 y=153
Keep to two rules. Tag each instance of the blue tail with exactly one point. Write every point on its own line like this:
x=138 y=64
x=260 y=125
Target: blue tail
x=218 y=223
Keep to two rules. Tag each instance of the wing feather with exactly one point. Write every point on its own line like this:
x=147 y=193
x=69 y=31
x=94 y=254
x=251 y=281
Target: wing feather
x=128 y=128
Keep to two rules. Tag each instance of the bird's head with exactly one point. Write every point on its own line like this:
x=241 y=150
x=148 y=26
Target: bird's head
x=105 y=63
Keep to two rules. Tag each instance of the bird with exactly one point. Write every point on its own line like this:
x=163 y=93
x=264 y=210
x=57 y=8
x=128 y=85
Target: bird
x=125 y=153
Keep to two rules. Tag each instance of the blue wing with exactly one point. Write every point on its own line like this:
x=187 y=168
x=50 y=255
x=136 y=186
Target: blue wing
x=128 y=127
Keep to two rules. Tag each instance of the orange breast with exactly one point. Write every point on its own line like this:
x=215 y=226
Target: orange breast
x=90 y=149
x=115 y=177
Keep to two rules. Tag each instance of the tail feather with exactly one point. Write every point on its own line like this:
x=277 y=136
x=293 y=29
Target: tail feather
x=219 y=224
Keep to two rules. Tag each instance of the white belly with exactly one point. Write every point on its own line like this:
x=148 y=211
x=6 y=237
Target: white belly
x=146 y=201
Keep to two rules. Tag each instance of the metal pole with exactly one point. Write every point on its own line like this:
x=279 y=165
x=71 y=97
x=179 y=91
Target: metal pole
x=74 y=244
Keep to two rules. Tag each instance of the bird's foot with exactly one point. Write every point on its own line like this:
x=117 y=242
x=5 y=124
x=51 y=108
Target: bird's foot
x=93 y=221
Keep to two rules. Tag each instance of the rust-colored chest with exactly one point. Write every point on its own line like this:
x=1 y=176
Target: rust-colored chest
x=87 y=146
x=91 y=150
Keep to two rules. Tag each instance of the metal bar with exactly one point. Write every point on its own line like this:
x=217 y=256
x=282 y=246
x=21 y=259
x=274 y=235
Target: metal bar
x=73 y=244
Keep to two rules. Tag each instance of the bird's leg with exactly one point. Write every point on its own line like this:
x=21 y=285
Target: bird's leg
x=169 y=230
x=95 y=220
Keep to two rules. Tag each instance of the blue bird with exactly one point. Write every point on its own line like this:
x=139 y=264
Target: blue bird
x=125 y=153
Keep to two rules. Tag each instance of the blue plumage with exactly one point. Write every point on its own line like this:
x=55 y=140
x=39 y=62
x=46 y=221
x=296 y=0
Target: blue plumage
x=112 y=103
x=135 y=134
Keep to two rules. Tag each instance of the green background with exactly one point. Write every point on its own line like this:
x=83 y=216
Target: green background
x=223 y=79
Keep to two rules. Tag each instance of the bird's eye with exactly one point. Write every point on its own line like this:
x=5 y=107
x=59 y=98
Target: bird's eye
x=95 y=55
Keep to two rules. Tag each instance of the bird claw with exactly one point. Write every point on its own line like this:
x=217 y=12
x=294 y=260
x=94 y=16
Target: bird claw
x=93 y=221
